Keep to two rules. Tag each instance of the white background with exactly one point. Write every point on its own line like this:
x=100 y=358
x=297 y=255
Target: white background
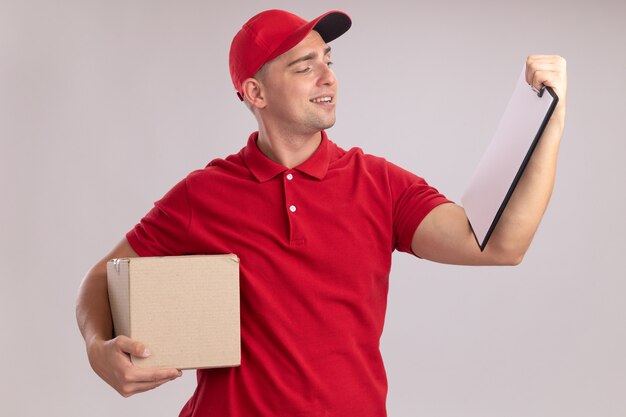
x=104 y=105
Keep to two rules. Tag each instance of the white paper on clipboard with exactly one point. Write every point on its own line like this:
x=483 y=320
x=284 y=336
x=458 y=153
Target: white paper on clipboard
x=504 y=161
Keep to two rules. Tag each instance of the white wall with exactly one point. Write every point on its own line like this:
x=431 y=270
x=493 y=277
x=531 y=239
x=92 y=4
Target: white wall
x=104 y=105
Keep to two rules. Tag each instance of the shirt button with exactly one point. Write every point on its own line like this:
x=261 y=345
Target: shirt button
x=289 y=177
x=292 y=209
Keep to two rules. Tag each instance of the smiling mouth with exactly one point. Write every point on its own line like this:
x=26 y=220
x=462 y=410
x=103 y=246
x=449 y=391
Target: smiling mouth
x=322 y=100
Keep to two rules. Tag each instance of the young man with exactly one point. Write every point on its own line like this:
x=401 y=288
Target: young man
x=315 y=229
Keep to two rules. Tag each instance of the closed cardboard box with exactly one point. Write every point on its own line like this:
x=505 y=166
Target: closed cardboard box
x=185 y=309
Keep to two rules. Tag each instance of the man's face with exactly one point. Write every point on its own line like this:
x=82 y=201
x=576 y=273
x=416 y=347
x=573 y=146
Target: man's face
x=300 y=88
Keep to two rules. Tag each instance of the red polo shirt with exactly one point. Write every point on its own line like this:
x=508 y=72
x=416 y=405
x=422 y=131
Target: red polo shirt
x=315 y=246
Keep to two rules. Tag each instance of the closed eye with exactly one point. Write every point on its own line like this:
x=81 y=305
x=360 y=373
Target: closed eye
x=310 y=57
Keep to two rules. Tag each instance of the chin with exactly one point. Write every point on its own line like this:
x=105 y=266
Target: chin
x=318 y=123
x=327 y=124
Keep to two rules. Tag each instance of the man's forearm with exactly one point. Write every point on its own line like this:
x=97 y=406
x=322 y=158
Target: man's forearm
x=93 y=312
x=525 y=209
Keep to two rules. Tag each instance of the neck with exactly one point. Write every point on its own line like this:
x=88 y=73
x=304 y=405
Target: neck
x=288 y=149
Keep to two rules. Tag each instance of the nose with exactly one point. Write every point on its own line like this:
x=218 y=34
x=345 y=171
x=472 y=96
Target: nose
x=327 y=76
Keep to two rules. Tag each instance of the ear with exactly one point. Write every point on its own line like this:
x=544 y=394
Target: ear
x=252 y=90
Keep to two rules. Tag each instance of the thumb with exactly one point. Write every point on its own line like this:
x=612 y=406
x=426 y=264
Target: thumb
x=132 y=347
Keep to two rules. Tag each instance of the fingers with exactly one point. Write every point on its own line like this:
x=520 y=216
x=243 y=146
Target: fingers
x=150 y=375
x=111 y=361
x=131 y=379
x=147 y=381
x=547 y=70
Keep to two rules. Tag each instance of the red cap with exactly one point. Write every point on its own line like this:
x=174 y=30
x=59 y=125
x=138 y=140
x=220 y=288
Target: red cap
x=271 y=33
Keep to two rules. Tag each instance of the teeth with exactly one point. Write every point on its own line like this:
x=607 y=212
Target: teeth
x=322 y=100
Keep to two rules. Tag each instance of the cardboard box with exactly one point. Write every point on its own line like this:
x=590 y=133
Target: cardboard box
x=184 y=308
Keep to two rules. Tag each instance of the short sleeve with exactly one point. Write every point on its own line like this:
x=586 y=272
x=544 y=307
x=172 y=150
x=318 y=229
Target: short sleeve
x=164 y=231
x=413 y=199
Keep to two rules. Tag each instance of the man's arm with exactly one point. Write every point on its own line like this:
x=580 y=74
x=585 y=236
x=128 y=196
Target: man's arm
x=110 y=358
x=445 y=235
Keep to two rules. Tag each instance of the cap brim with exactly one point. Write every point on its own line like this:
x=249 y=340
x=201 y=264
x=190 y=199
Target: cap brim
x=332 y=25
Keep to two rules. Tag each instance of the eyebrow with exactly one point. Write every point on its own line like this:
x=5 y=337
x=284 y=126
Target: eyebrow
x=308 y=57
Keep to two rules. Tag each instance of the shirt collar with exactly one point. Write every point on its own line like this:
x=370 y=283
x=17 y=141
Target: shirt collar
x=264 y=169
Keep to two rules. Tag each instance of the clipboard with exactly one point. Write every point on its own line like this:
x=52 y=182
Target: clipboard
x=506 y=157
